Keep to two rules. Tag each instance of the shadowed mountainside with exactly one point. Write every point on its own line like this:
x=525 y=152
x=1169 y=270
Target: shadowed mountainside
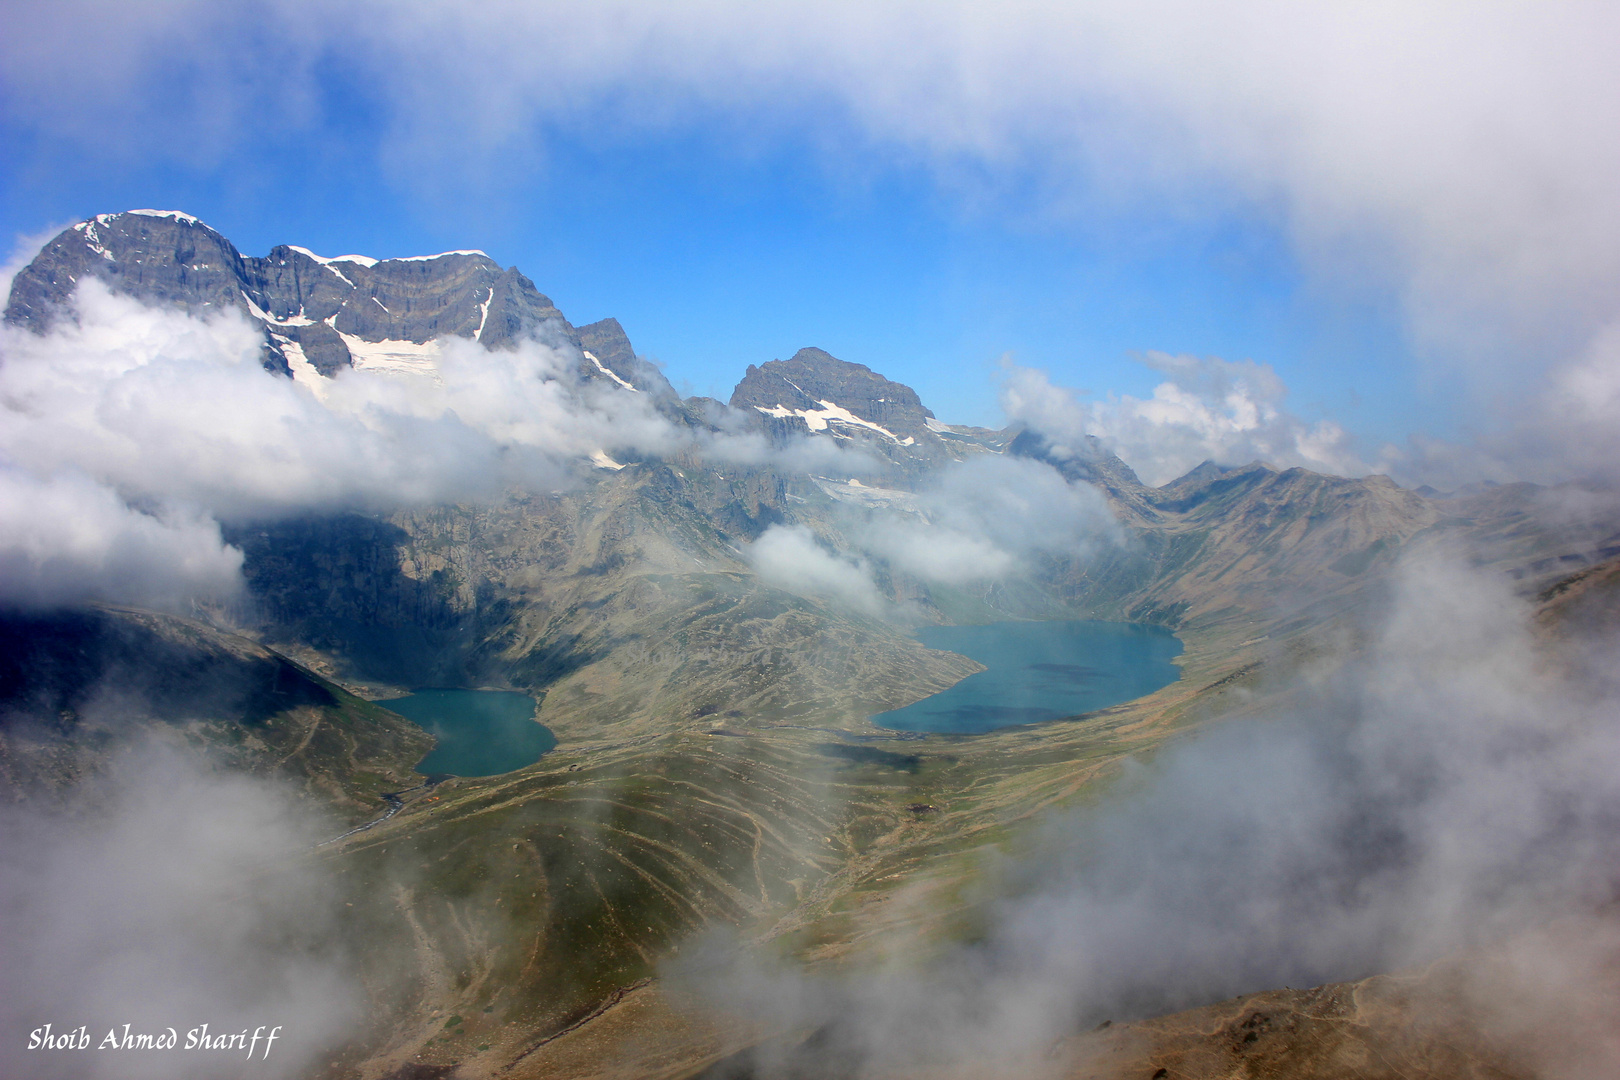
x=76 y=685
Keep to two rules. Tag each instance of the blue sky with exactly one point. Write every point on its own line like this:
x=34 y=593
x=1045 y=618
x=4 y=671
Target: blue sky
x=734 y=186
x=713 y=260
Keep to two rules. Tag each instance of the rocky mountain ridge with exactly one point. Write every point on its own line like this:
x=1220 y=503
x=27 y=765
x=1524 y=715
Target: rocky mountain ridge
x=318 y=313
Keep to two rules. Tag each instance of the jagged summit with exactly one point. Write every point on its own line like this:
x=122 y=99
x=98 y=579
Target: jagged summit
x=320 y=314
x=814 y=392
x=823 y=391
x=607 y=346
x=1202 y=473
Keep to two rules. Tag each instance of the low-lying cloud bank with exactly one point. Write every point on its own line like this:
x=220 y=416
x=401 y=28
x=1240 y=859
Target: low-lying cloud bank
x=985 y=519
x=66 y=538
x=1449 y=790
x=130 y=433
x=991 y=516
x=171 y=896
x=164 y=406
x=790 y=557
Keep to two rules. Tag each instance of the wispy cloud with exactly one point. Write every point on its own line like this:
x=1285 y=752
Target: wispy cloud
x=790 y=557
x=990 y=517
x=175 y=896
x=1448 y=793
x=1206 y=409
x=131 y=431
x=982 y=520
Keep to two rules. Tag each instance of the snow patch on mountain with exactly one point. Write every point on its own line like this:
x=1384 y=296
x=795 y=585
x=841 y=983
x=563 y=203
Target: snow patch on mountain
x=831 y=413
x=176 y=215
x=419 y=359
x=364 y=260
x=93 y=241
x=603 y=368
x=304 y=373
x=483 y=315
x=859 y=494
x=440 y=255
x=259 y=313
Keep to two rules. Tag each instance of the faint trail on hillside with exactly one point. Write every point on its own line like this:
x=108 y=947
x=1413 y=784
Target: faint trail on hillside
x=395 y=805
x=581 y=1018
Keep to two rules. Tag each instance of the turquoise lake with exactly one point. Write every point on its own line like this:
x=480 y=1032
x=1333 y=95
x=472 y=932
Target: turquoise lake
x=1039 y=671
x=480 y=732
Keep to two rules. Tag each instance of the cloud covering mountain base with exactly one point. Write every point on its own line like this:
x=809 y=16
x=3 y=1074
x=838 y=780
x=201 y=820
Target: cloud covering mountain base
x=131 y=431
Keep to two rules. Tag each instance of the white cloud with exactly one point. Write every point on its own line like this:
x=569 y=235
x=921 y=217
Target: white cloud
x=126 y=434
x=173 y=896
x=788 y=557
x=936 y=554
x=986 y=517
x=1207 y=409
x=1574 y=425
x=977 y=520
x=1567 y=429
x=68 y=539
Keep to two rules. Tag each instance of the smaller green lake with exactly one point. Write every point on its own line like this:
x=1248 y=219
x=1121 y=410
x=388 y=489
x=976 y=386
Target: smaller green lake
x=480 y=732
x=1039 y=671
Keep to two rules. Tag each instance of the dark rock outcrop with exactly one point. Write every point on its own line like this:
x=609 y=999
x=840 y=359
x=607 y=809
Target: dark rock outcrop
x=57 y=665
